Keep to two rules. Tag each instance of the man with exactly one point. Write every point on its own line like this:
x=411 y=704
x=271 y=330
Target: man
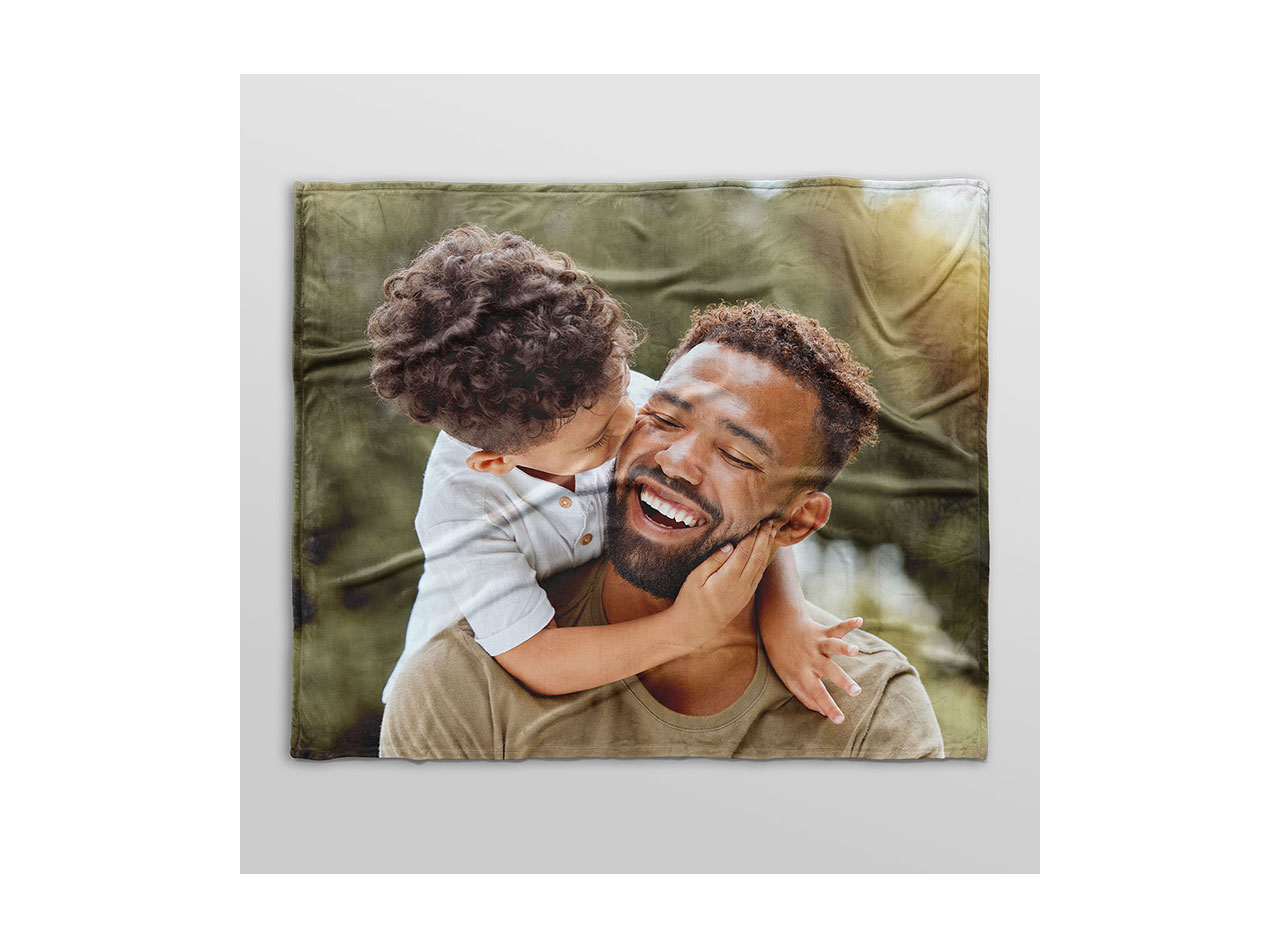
x=758 y=410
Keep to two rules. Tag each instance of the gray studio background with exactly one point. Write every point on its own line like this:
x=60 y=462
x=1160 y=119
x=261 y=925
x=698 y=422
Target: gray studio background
x=357 y=815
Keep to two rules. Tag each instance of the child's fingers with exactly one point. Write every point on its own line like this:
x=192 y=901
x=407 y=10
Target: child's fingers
x=841 y=629
x=804 y=699
x=840 y=678
x=830 y=648
x=738 y=559
x=758 y=557
x=708 y=567
x=826 y=704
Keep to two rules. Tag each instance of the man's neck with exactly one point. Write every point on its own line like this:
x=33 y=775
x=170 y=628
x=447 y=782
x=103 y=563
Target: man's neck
x=623 y=602
x=707 y=679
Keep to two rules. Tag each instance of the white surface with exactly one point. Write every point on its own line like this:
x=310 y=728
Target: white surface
x=368 y=815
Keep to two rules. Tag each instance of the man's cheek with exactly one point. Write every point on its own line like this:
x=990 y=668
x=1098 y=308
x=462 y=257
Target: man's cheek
x=734 y=532
x=633 y=446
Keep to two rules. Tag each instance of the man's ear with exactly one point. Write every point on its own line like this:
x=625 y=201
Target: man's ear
x=487 y=462
x=808 y=513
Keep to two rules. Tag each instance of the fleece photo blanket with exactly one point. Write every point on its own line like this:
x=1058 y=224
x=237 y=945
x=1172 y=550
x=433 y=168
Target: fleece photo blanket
x=897 y=270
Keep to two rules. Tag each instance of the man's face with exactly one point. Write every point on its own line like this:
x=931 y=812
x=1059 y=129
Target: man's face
x=714 y=453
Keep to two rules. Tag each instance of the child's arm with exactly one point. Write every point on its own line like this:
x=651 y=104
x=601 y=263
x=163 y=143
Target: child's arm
x=800 y=649
x=560 y=660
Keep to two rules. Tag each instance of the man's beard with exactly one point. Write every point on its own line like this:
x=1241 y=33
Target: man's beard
x=658 y=570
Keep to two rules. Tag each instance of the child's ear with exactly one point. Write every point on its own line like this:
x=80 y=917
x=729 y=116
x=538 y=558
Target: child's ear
x=486 y=462
x=808 y=513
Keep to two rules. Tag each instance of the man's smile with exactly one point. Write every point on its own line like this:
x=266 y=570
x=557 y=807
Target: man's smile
x=662 y=509
x=666 y=511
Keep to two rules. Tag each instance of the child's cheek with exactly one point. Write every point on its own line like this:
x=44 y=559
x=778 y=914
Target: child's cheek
x=625 y=419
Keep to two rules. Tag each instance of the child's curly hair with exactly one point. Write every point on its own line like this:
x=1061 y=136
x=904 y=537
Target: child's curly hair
x=496 y=340
x=802 y=348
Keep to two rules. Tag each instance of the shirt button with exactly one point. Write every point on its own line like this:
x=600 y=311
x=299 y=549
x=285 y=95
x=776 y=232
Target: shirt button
x=566 y=502
x=586 y=539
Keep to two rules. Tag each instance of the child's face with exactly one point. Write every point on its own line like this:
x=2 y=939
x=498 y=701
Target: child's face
x=589 y=438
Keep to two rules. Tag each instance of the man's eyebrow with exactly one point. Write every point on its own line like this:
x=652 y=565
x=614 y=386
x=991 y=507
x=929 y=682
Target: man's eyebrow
x=746 y=435
x=673 y=399
x=741 y=432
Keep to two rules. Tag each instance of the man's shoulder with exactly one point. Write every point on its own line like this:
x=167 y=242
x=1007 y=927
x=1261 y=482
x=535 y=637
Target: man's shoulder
x=446 y=680
x=892 y=716
x=895 y=718
x=451 y=652
x=875 y=654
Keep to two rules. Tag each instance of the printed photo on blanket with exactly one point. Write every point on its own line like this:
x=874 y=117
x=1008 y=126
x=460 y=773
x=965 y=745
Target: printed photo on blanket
x=690 y=469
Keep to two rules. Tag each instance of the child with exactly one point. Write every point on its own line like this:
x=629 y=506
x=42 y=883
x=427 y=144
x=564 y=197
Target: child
x=523 y=361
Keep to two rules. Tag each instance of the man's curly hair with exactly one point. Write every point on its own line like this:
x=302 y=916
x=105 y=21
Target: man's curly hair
x=496 y=340
x=803 y=349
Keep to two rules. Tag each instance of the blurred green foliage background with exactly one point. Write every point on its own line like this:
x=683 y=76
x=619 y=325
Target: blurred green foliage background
x=898 y=270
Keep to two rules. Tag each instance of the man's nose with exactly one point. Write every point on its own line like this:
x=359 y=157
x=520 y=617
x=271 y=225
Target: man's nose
x=680 y=460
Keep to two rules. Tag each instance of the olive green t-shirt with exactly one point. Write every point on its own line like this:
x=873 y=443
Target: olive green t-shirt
x=452 y=700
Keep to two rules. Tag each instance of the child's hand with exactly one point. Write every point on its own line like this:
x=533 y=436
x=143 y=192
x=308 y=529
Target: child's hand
x=724 y=583
x=803 y=654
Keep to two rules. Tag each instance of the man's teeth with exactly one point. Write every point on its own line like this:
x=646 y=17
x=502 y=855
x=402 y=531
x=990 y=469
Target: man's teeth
x=667 y=509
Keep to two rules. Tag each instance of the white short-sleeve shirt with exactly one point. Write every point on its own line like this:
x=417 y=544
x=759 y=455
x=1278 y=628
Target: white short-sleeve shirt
x=489 y=539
